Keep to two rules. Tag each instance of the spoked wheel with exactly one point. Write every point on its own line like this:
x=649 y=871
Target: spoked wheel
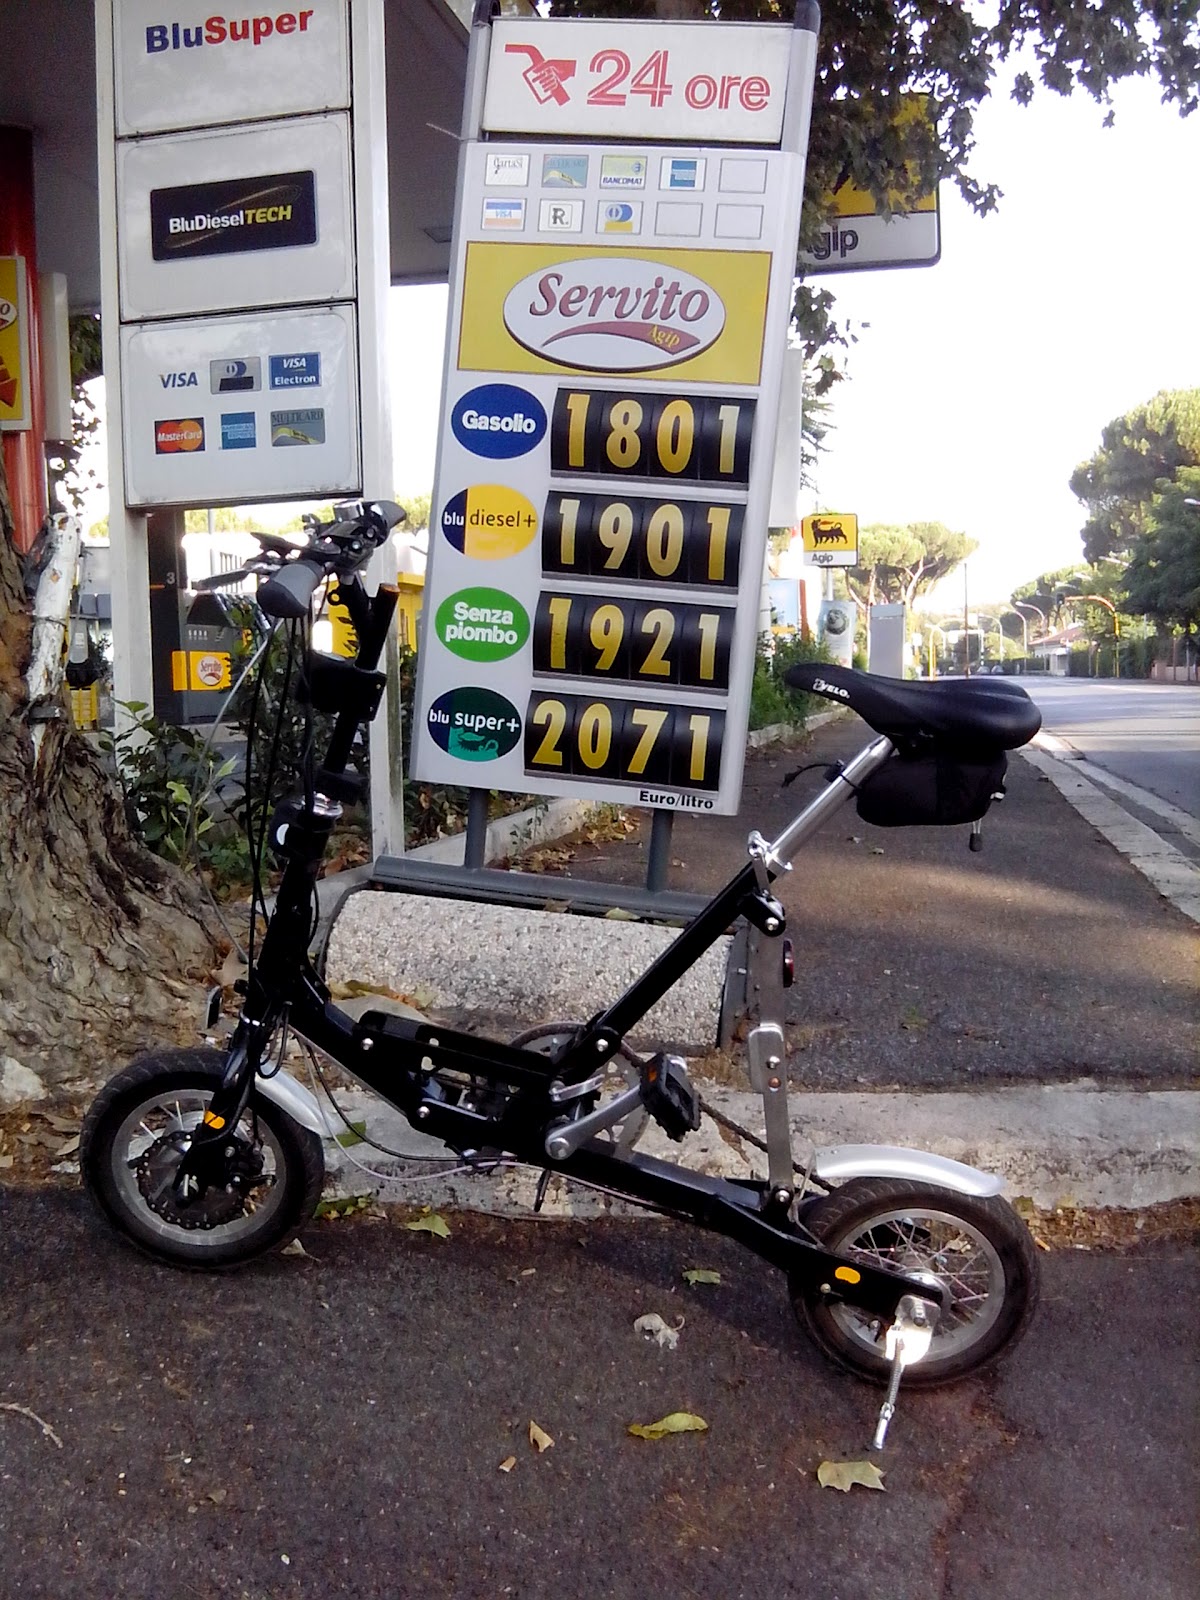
x=133 y=1141
x=977 y=1252
x=622 y=1072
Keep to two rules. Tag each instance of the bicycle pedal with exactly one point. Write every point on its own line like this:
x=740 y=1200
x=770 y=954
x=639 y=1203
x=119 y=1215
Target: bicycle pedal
x=668 y=1095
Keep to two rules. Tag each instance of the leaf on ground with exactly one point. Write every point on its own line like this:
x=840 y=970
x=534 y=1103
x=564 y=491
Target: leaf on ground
x=508 y=1463
x=431 y=1224
x=653 y=1327
x=354 y=989
x=844 y=1474
x=354 y=1134
x=619 y=914
x=673 y=1422
x=296 y=1249
x=539 y=1437
x=344 y=1207
x=876 y=850
x=695 y=1275
x=69 y=1146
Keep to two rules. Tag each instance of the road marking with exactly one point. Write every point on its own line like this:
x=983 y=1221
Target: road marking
x=1186 y=825
x=1175 y=877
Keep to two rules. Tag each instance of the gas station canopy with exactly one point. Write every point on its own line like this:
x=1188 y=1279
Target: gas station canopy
x=48 y=84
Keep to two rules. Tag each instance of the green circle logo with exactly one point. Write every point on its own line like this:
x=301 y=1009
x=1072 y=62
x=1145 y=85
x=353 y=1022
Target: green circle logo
x=482 y=624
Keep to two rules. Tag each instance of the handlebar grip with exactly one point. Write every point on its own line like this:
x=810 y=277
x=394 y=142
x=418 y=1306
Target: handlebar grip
x=288 y=593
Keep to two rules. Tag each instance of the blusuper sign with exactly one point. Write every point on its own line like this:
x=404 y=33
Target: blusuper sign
x=224 y=30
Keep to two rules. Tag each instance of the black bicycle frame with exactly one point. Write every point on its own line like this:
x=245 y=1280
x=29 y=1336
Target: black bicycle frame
x=403 y=1060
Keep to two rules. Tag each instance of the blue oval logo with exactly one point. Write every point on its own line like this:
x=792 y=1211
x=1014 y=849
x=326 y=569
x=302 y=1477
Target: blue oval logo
x=499 y=421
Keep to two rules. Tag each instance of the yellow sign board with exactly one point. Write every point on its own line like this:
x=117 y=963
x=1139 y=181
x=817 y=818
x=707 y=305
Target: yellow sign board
x=529 y=290
x=835 y=532
x=14 y=345
x=198 y=670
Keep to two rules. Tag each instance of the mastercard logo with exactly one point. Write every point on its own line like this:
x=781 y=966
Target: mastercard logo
x=489 y=522
x=178 y=434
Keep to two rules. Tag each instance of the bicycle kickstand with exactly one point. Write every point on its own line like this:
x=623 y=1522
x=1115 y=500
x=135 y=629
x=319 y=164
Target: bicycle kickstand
x=907 y=1341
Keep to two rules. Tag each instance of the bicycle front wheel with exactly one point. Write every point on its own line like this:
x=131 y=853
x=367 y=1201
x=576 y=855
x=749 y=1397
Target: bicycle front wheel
x=134 y=1138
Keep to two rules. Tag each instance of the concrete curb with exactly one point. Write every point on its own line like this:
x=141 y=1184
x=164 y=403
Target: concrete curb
x=1175 y=877
x=1075 y=1144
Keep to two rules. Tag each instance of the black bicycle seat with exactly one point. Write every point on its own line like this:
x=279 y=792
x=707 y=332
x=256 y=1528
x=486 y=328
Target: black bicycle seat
x=970 y=711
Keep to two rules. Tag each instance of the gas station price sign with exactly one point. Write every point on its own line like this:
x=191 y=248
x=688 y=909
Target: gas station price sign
x=619 y=306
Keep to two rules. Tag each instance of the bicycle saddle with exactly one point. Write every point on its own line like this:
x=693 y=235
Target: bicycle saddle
x=970 y=711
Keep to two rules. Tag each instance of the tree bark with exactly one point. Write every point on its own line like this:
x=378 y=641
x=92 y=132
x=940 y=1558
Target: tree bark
x=102 y=946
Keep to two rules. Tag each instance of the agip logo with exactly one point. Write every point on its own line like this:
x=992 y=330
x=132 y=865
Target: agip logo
x=499 y=421
x=614 y=314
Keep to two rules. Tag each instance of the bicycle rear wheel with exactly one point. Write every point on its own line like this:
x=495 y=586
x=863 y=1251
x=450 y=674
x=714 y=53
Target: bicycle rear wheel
x=977 y=1252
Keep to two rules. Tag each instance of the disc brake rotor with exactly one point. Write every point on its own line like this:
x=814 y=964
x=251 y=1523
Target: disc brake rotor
x=621 y=1072
x=207 y=1206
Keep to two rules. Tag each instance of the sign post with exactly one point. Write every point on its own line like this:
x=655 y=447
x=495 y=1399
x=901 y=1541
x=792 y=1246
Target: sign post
x=620 y=296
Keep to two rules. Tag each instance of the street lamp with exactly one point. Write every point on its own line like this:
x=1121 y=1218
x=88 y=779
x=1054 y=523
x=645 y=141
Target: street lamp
x=1098 y=599
x=935 y=627
x=1000 y=632
x=1022 y=605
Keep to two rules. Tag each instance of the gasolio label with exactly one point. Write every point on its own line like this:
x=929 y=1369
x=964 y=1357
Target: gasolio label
x=694 y=313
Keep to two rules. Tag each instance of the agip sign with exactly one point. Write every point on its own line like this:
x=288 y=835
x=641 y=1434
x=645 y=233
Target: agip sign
x=620 y=297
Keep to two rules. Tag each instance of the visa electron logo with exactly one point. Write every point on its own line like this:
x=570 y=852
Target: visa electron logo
x=224 y=30
x=499 y=421
x=609 y=314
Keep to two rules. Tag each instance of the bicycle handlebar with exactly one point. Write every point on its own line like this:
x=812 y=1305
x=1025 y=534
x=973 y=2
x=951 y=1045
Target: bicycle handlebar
x=288 y=593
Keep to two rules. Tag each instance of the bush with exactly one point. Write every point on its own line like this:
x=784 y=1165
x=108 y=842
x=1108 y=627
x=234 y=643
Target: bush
x=771 y=701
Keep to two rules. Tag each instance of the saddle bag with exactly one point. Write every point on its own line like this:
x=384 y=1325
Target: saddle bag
x=936 y=788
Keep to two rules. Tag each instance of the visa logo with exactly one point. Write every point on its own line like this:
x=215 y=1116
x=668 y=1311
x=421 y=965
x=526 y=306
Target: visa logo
x=179 y=380
x=301 y=370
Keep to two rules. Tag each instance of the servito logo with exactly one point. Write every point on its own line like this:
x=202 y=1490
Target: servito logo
x=499 y=421
x=612 y=314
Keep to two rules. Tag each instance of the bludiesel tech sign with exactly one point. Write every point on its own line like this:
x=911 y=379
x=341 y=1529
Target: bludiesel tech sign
x=273 y=212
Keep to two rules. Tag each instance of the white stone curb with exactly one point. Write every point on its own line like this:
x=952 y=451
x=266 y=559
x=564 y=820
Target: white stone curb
x=1175 y=877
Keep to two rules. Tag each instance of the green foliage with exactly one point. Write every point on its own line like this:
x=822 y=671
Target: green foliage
x=771 y=701
x=417 y=508
x=1162 y=579
x=896 y=564
x=1140 y=451
x=170 y=784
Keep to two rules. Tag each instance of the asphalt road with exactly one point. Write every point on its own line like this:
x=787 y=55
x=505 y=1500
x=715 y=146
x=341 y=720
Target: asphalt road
x=1145 y=733
x=1045 y=958
x=334 y=1425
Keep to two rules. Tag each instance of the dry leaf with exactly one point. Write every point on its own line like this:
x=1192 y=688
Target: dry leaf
x=295 y=1249
x=432 y=1224
x=674 y=1422
x=508 y=1463
x=69 y=1146
x=539 y=1437
x=842 y=1474
x=619 y=914
x=653 y=1327
x=695 y=1275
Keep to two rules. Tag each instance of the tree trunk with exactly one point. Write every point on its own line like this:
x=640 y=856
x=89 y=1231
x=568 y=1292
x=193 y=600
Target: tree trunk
x=102 y=946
